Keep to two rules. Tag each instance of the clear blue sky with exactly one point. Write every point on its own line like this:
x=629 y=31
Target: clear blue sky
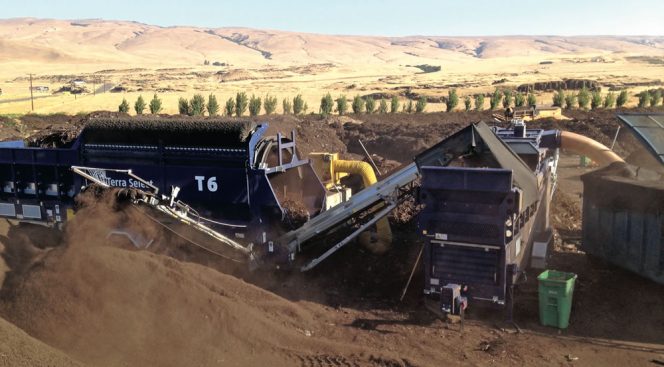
x=371 y=17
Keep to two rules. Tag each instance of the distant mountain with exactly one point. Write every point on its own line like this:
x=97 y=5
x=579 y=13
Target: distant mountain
x=121 y=42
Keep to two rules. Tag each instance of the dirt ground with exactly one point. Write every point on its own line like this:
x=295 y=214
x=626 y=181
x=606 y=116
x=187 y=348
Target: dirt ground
x=72 y=297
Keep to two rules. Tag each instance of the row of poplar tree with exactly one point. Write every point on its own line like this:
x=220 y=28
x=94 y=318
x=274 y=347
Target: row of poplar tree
x=238 y=106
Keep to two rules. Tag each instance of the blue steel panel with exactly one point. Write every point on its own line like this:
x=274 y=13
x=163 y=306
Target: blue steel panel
x=216 y=182
x=23 y=155
x=471 y=179
x=12 y=144
x=46 y=156
x=206 y=188
x=6 y=155
x=41 y=156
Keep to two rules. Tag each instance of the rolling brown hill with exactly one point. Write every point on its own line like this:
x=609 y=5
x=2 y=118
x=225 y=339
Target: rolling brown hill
x=122 y=42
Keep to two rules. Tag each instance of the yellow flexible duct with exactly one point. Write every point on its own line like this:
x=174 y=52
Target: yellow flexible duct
x=381 y=240
x=582 y=145
x=363 y=169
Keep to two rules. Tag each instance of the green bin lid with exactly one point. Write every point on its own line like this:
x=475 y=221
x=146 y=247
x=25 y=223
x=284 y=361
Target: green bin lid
x=556 y=276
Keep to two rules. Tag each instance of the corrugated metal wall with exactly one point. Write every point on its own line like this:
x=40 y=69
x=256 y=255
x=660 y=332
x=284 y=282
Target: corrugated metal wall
x=628 y=238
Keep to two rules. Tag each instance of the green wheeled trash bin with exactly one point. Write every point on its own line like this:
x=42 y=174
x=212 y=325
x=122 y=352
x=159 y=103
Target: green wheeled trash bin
x=555 y=297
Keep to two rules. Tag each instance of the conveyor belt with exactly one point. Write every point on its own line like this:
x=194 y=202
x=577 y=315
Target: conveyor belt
x=387 y=191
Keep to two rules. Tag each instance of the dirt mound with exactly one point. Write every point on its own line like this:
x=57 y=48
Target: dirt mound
x=600 y=125
x=54 y=137
x=565 y=212
x=37 y=121
x=19 y=349
x=105 y=305
x=49 y=131
x=9 y=129
x=401 y=137
x=313 y=134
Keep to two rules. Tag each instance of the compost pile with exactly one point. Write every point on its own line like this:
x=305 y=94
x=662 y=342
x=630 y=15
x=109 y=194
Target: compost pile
x=105 y=305
x=9 y=129
x=58 y=130
x=178 y=132
x=295 y=214
x=397 y=142
x=54 y=137
x=18 y=349
x=313 y=133
x=565 y=212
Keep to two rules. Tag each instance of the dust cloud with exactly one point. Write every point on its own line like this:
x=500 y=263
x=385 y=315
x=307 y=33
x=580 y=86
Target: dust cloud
x=105 y=305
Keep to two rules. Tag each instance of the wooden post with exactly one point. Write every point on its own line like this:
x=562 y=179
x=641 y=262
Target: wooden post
x=32 y=100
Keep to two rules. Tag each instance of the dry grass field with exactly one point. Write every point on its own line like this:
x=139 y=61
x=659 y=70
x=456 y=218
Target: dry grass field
x=144 y=59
